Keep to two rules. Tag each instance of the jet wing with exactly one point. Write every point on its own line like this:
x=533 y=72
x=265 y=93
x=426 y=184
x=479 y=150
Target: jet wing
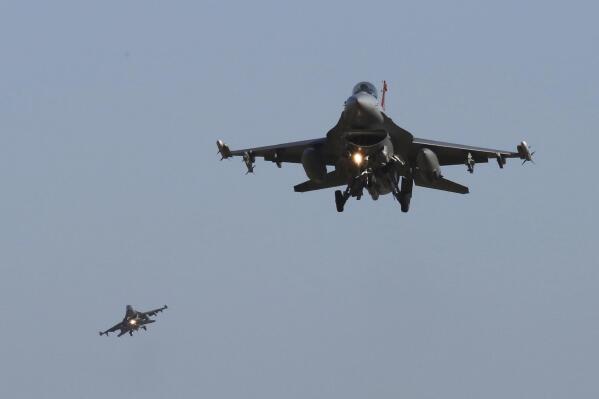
x=155 y=311
x=458 y=154
x=279 y=153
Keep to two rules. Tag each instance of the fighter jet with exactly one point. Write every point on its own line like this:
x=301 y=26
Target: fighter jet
x=133 y=321
x=366 y=150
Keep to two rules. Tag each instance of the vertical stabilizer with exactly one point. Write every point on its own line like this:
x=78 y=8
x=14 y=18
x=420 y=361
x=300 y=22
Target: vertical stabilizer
x=383 y=92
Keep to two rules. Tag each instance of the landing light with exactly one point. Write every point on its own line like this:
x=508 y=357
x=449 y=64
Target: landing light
x=133 y=322
x=357 y=158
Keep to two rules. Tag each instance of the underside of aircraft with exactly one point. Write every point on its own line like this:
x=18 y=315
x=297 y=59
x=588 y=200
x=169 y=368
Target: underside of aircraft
x=133 y=321
x=367 y=151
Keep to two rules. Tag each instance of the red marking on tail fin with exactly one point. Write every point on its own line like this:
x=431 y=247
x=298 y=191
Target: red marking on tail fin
x=384 y=90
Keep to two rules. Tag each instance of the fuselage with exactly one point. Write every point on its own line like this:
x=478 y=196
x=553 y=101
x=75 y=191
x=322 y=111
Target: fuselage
x=365 y=145
x=134 y=319
x=362 y=111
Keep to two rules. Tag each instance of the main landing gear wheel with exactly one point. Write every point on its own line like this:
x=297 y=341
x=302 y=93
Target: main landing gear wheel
x=407 y=183
x=339 y=200
x=404 y=201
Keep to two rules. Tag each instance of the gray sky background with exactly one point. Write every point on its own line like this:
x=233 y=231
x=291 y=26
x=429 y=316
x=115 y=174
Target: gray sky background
x=112 y=194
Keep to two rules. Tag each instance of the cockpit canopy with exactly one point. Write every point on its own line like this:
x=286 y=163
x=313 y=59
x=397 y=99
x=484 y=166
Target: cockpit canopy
x=366 y=87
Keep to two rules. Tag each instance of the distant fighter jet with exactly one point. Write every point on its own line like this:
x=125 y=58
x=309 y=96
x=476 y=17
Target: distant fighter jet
x=133 y=321
x=370 y=152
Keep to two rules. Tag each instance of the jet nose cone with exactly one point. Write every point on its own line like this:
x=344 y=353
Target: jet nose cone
x=365 y=101
x=361 y=101
x=362 y=111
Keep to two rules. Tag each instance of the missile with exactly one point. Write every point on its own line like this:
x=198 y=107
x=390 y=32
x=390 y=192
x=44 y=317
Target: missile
x=223 y=150
x=524 y=152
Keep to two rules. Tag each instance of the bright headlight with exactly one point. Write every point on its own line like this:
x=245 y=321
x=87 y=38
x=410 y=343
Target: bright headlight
x=133 y=322
x=357 y=158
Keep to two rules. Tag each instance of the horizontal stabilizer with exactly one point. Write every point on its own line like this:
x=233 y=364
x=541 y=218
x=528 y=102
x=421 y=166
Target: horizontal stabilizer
x=332 y=179
x=442 y=184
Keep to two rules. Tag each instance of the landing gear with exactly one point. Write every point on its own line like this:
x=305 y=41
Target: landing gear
x=407 y=183
x=368 y=180
x=339 y=200
x=404 y=202
x=355 y=188
x=404 y=195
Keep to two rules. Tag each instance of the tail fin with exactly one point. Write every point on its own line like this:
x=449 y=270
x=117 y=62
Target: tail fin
x=383 y=91
x=442 y=184
x=332 y=179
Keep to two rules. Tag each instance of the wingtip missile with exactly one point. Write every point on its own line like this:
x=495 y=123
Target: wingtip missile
x=223 y=150
x=525 y=153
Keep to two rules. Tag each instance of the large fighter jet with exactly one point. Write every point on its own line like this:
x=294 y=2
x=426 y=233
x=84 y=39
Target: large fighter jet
x=133 y=321
x=368 y=151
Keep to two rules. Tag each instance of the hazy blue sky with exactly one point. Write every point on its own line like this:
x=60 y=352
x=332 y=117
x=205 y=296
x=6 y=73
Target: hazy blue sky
x=112 y=194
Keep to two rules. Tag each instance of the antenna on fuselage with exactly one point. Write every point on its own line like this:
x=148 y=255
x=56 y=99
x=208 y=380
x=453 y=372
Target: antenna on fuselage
x=383 y=91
